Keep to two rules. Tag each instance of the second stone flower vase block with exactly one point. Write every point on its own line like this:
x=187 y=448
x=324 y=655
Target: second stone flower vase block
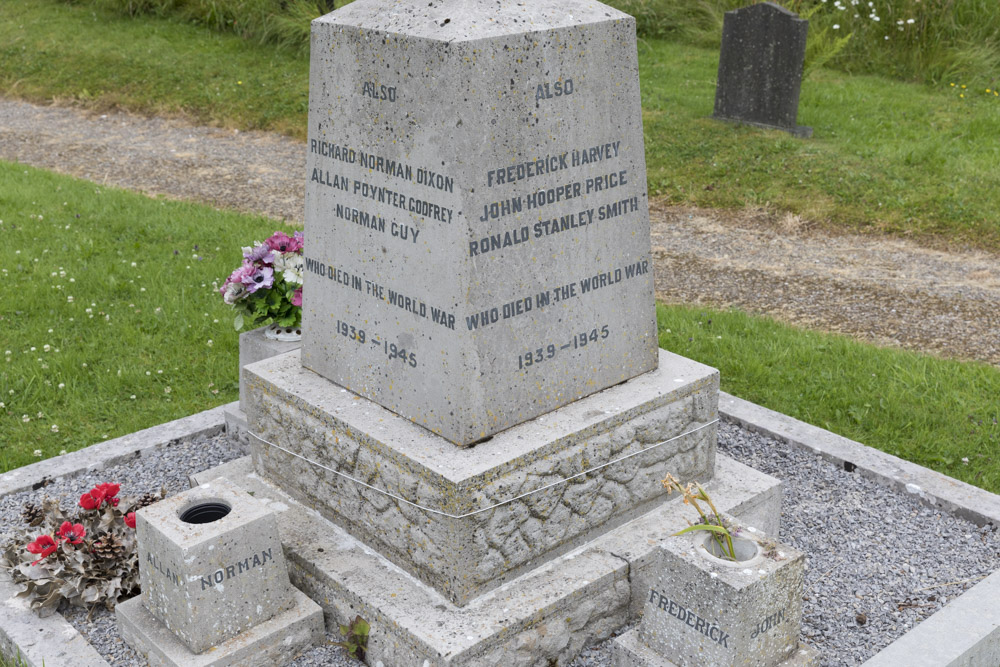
x=704 y=609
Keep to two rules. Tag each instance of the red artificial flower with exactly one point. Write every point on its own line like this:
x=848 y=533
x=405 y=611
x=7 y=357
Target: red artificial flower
x=43 y=545
x=96 y=497
x=91 y=500
x=72 y=532
x=109 y=490
x=130 y=519
x=281 y=242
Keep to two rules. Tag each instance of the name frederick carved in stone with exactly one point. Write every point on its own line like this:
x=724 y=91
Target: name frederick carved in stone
x=236 y=569
x=708 y=628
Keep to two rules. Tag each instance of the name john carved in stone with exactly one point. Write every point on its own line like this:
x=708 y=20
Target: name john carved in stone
x=238 y=568
x=771 y=621
x=708 y=628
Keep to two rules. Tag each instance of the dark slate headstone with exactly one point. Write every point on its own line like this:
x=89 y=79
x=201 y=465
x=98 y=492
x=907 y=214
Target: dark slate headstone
x=760 y=68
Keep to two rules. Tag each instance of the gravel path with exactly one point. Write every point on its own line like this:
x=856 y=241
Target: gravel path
x=883 y=290
x=878 y=562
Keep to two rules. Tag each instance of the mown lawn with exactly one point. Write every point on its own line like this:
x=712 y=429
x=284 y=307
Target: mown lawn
x=109 y=311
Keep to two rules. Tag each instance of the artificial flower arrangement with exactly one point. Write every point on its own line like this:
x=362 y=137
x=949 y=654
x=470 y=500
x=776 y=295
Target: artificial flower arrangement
x=87 y=558
x=267 y=288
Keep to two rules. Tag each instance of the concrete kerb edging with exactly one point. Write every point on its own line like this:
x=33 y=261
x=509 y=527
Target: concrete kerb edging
x=932 y=488
x=114 y=451
x=52 y=640
x=42 y=640
x=967 y=631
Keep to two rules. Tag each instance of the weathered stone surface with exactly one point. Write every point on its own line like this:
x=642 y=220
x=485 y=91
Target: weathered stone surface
x=467 y=553
x=705 y=610
x=209 y=582
x=545 y=616
x=476 y=213
x=760 y=67
x=276 y=641
x=628 y=651
x=256 y=346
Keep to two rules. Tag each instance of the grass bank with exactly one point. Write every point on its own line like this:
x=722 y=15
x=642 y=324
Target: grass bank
x=937 y=413
x=887 y=156
x=112 y=324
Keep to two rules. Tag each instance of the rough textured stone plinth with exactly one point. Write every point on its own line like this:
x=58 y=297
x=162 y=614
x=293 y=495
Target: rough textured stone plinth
x=701 y=609
x=467 y=553
x=544 y=617
x=477 y=220
x=273 y=642
x=209 y=582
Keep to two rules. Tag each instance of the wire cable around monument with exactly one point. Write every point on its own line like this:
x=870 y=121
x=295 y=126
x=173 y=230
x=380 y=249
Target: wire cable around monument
x=491 y=507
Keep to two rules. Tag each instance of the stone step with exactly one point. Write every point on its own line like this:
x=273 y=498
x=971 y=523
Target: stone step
x=549 y=613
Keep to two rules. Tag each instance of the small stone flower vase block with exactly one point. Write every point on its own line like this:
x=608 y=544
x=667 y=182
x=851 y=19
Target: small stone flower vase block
x=211 y=564
x=702 y=609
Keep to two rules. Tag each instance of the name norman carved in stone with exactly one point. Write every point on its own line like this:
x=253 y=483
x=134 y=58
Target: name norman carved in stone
x=710 y=629
x=236 y=569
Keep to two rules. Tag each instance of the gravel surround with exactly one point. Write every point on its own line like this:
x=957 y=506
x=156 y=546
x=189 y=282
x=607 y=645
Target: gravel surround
x=879 y=561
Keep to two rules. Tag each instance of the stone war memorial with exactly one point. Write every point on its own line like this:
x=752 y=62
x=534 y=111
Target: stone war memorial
x=760 y=68
x=467 y=450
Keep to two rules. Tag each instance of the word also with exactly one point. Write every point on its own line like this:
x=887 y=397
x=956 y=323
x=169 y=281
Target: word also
x=558 y=89
x=708 y=628
x=230 y=571
x=771 y=621
x=530 y=358
x=377 y=92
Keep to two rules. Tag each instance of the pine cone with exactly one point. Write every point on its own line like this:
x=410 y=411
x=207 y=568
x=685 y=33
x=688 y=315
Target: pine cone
x=109 y=546
x=145 y=500
x=32 y=514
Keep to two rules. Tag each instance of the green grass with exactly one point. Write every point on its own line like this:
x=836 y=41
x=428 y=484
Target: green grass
x=931 y=411
x=110 y=320
x=72 y=53
x=887 y=156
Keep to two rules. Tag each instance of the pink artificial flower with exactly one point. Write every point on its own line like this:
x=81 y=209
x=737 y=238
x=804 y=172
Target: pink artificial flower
x=130 y=519
x=43 y=546
x=281 y=242
x=297 y=297
x=72 y=532
x=261 y=278
x=262 y=253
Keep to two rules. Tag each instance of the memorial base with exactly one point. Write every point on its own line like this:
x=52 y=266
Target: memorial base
x=627 y=650
x=273 y=642
x=545 y=616
x=466 y=520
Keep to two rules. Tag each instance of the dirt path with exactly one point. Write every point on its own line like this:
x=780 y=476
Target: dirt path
x=884 y=290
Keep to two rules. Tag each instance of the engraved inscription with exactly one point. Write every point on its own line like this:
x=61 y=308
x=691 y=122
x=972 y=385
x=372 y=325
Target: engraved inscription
x=546 y=91
x=157 y=564
x=377 y=92
x=708 y=628
x=236 y=569
x=772 y=621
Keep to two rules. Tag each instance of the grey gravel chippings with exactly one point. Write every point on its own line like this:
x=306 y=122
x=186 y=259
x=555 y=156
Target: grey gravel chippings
x=875 y=555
